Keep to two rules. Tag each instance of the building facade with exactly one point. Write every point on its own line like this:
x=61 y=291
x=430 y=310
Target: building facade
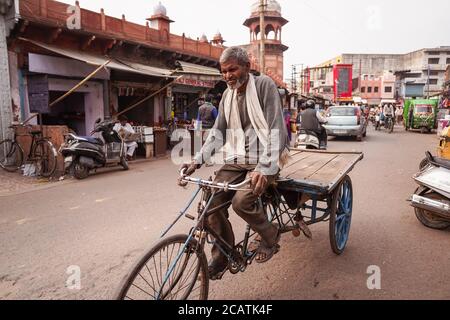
x=422 y=71
x=54 y=46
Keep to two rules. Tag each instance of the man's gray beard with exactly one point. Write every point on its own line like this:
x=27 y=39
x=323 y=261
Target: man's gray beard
x=239 y=83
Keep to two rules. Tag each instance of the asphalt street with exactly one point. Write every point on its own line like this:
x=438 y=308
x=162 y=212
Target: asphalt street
x=102 y=225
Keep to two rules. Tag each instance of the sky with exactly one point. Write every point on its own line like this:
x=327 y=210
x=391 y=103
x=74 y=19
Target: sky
x=317 y=30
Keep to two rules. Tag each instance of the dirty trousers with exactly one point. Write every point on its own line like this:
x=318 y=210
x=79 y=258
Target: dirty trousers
x=244 y=203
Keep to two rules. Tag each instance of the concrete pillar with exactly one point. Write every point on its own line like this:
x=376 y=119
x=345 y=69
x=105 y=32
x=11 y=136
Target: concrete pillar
x=5 y=89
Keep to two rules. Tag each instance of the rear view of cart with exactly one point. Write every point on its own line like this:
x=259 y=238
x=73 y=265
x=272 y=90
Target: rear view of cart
x=316 y=187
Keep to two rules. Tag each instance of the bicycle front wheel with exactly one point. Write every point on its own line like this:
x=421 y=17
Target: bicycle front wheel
x=45 y=157
x=11 y=155
x=151 y=279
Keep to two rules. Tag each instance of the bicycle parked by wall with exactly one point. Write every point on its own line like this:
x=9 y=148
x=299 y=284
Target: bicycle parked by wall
x=42 y=152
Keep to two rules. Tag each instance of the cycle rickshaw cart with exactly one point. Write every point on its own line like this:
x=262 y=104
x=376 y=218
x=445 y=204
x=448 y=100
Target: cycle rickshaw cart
x=314 y=187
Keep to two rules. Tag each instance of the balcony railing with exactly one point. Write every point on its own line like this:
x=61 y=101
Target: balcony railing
x=55 y=13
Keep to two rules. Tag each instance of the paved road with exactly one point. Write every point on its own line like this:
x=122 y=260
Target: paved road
x=103 y=224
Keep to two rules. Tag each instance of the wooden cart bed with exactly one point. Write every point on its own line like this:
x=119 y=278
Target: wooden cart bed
x=317 y=172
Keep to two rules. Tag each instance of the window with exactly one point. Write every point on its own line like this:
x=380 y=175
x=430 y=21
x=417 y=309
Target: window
x=342 y=111
x=448 y=60
x=434 y=73
x=375 y=89
x=388 y=89
x=369 y=89
x=433 y=61
x=413 y=75
x=363 y=89
x=433 y=81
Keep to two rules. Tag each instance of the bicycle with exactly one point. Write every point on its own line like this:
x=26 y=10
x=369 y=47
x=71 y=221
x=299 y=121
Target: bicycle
x=389 y=124
x=176 y=267
x=42 y=153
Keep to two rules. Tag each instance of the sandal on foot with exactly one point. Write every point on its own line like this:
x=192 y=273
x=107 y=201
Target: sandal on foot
x=267 y=251
x=255 y=244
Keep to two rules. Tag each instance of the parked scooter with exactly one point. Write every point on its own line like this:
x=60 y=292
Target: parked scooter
x=309 y=140
x=431 y=200
x=83 y=154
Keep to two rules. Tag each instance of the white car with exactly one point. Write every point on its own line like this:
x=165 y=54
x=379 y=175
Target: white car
x=346 y=121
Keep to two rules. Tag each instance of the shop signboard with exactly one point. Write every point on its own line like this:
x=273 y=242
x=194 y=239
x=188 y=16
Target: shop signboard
x=195 y=83
x=38 y=94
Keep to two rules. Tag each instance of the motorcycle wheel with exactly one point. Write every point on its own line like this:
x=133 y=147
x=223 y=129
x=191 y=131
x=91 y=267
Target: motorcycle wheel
x=428 y=219
x=80 y=172
x=124 y=163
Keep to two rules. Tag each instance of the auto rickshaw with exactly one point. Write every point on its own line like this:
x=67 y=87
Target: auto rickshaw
x=420 y=114
x=443 y=150
x=444 y=144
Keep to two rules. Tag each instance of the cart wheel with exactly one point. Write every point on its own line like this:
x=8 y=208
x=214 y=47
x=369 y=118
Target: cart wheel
x=341 y=215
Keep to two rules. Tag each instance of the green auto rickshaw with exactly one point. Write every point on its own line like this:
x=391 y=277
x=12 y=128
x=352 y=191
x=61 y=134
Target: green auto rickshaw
x=420 y=114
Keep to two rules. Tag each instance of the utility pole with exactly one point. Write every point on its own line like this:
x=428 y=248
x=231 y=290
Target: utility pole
x=428 y=83
x=5 y=89
x=302 y=85
x=262 y=27
x=294 y=79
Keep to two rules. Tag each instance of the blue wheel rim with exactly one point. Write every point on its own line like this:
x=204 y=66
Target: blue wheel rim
x=343 y=215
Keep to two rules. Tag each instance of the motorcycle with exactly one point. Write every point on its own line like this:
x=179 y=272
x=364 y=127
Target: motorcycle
x=379 y=122
x=431 y=200
x=309 y=140
x=83 y=154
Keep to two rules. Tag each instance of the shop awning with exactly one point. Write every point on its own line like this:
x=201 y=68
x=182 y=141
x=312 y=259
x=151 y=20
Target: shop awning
x=98 y=60
x=196 y=69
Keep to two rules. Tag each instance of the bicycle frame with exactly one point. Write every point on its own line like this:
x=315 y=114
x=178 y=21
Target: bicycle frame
x=239 y=256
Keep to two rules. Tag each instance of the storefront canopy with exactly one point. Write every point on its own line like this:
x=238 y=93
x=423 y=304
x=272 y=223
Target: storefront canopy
x=98 y=60
x=196 y=69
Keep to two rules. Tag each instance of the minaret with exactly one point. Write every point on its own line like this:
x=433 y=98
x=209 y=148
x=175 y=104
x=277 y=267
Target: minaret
x=159 y=20
x=274 y=23
x=218 y=40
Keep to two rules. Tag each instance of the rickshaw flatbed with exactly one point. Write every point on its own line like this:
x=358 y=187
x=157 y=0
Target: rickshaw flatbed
x=317 y=172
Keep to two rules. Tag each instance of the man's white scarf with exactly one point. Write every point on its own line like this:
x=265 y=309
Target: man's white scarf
x=235 y=146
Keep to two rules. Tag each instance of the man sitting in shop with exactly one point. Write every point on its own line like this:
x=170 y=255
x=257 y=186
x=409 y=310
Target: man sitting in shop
x=207 y=113
x=126 y=131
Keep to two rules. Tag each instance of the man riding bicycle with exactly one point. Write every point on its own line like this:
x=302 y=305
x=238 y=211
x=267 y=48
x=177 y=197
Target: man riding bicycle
x=250 y=127
x=389 y=113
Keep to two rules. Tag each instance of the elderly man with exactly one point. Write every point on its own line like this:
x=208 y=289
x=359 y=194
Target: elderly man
x=251 y=105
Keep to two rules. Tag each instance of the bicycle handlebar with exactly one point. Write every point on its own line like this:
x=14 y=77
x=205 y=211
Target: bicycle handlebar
x=21 y=124
x=207 y=183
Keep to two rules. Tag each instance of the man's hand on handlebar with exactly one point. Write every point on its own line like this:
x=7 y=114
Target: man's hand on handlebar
x=259 y=183
x=189 y=169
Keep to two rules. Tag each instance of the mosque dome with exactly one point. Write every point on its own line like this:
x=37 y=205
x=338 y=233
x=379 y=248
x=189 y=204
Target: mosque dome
x=272 y=5
x=204 y=38
x=159 y=9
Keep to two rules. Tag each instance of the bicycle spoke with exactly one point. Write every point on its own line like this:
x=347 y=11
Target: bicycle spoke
x=146 y=281
x=136 y=286
x=153 y=281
